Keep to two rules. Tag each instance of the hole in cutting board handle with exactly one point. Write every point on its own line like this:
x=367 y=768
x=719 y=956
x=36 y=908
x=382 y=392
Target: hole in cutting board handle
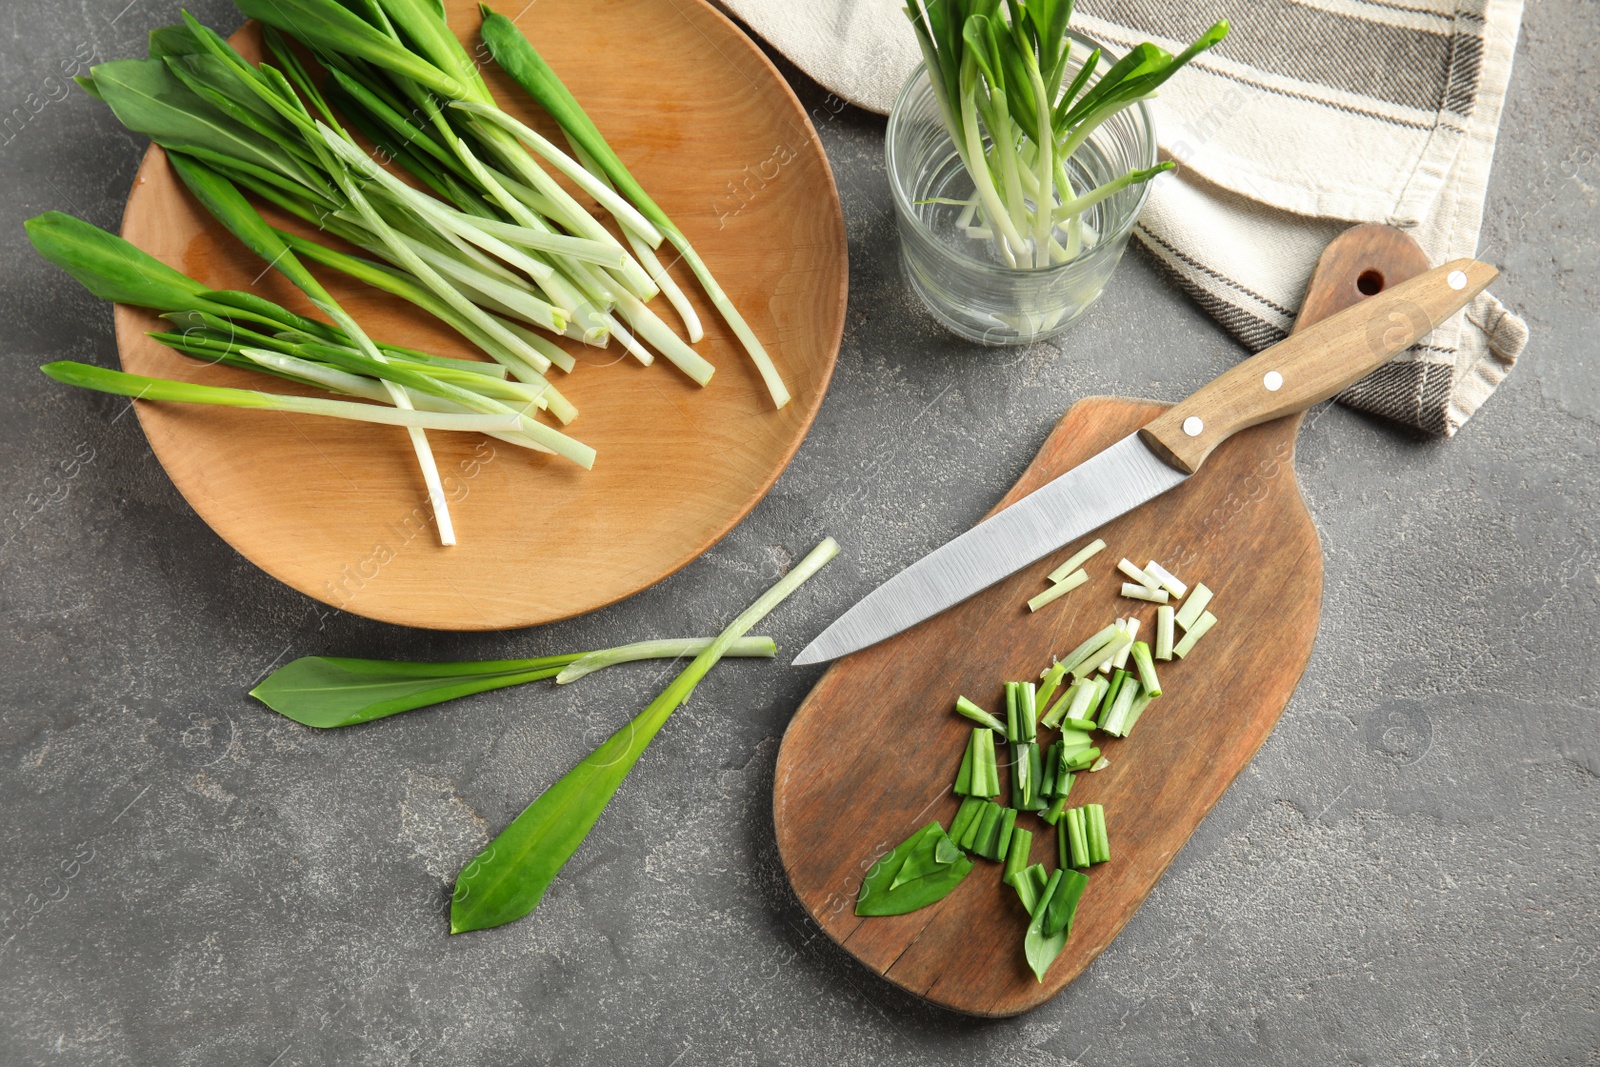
x=1370 y=282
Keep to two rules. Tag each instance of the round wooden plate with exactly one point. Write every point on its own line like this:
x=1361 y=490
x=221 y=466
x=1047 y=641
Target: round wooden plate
x=338 y=511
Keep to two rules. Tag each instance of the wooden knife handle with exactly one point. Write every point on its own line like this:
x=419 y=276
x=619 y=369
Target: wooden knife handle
x=1314 y=363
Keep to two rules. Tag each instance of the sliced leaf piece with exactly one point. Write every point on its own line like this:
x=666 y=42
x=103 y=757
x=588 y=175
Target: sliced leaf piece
x=1040 y=948
x=1063 y=903
x=879 y=896
x=923 y=859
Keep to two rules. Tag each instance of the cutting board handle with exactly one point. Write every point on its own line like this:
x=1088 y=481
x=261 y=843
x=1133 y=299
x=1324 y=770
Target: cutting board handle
x=1360 y=315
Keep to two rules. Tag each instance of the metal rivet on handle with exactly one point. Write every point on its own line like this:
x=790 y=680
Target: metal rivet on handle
x=1457 y=279
x=1273 y=381
x=1193 y=426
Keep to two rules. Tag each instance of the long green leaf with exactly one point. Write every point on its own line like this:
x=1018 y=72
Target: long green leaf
x=508 y=878
x=327 y=26
x=148 y=98
x=333 y=691
x=140 y=387
x=108 y=266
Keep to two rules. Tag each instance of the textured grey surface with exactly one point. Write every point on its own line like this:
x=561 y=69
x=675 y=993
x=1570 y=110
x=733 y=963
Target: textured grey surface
x=1407 y=872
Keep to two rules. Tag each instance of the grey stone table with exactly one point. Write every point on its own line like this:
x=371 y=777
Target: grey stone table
x=1407 y=871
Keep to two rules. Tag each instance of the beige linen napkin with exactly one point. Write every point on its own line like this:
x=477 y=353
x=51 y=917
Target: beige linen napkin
x=1310 y=116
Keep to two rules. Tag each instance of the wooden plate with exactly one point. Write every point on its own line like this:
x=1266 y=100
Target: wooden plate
x=339 y=512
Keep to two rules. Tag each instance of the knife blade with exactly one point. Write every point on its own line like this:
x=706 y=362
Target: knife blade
x=1310 y=366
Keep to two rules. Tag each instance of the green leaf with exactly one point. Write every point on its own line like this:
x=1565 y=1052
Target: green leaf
x=1063 y=904
x=173 y=41
x=426 y=29
x=220 y=86
x=979 y=36
x=923 y=859
x=252 y=308
x=148 y=98
x=330 y=691
x=508 y=878
x=880 y=895
x=1040 y=948
x=229 y=207
x=108 y=266
x=327 y=25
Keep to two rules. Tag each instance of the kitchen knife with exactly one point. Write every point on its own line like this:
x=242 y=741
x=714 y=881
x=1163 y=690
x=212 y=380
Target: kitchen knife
x=1310 y=366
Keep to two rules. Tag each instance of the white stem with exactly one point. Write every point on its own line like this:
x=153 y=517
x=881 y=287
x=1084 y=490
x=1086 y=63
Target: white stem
x=609 y=198
x=658 y=274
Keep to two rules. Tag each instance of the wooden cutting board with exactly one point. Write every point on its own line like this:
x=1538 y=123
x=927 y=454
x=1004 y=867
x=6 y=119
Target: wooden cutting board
x=338 y=510
x=871 y=754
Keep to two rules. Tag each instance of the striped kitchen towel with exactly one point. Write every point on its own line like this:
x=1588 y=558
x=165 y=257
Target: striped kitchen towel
x=1310 y=116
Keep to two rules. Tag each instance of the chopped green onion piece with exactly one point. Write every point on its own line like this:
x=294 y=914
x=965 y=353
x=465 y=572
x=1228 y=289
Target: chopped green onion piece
x=1080 y=715
x=1140 y=702
x=1002 y=841
x=1022 y=784
x=1026 y=770
x=985 y=769
x=978 y=715
x=1074 y=739
x=963 y=786
x=1052 y=814
x=1049 y=680
x=1168 y=580
x=1023 y=884
x=970 y=809
x=1198 y=601
x=1013 y=727
x=1132 y=570
x=1083 y=694
x=1164 y=634
x=1078 y=559
x=1135 y=591
x=1059 y=589
x=1077 y=761
x=1099 y=765
x=1088 y=651
x=1095 y=827
x=1047 y=777
x=1204 y=623
x=1063 y=903
x=1027 y=711
x=1146 y=668
x=983 y=830
x=1118 y=679
x=1075 y=851
x=1120 y=660
x=1029 y=883
x=1115 y=721
x=1017 y=852
x=1105 y=657
x=1059 y=708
